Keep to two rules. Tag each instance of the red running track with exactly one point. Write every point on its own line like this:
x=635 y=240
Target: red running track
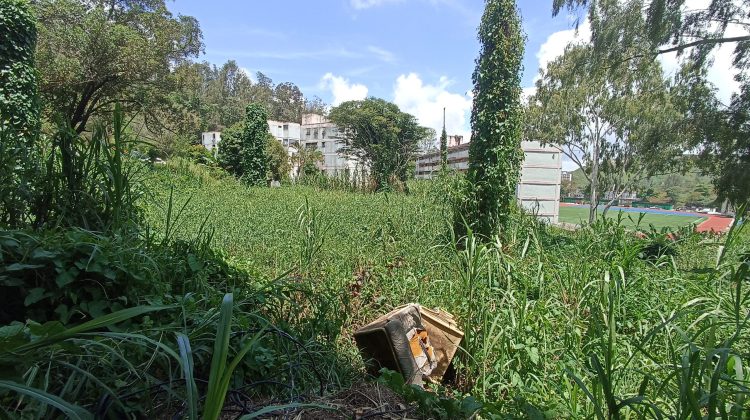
x=715 y=223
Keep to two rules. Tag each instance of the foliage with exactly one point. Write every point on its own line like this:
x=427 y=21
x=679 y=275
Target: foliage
x=253 y=157
x=307 y=161
x=19 y=106
x=444 y=148
x=645 y=29
x=620 y=118
x=278 y=164
x=430 y=404
x=229 y=154
x=377 y=133
x=495 y=153
x=529 y=307
x=19 y=111
x=94 y=54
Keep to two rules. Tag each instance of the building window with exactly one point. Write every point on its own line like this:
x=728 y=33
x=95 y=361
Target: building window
x=323 y=134
x=214 y=136
x=307 y=133
x=315 y=133
x=323 y=145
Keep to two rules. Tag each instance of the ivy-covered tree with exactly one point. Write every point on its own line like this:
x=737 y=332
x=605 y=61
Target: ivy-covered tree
x=253 y=145
x=495 y=153
x=19 y=108
x=443 y=146
x=229 y=156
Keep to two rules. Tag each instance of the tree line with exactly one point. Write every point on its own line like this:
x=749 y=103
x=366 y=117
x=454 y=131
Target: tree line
x=609 y=106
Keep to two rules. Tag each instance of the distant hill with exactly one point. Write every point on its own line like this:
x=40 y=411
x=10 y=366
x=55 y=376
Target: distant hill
x=691 y=188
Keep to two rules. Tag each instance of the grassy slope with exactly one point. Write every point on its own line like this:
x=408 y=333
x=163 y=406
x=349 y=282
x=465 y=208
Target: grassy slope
x=535 y=307
x=576 y=215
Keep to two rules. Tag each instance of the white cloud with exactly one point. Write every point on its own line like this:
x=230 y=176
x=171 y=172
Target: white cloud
x=555 y=44
x=426 y=102
x=250 y=74
x=382 y=54
x=527 y=93
x=366 y=4
x=341 y=89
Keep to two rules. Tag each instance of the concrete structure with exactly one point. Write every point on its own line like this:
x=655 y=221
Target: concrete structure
x=318 y=133
x=539 y=189
x=211 y=139
x=288 y=133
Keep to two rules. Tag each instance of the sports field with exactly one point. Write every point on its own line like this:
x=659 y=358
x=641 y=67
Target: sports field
x=658 y=218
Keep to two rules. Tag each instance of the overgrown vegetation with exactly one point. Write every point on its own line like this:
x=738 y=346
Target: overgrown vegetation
x=130 y=289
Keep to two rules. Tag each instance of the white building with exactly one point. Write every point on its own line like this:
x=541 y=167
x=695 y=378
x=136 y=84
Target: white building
x=211 y=139
x=318 y=133
x=539 y=188
x=288 y=133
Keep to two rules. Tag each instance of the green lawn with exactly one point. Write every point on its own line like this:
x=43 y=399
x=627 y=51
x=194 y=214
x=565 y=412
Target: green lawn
x=569 y=214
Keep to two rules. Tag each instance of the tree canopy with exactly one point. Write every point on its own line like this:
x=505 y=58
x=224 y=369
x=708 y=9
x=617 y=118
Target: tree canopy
x=377 y=133
x=607 y=122
x=96 y=53
x=633 y=29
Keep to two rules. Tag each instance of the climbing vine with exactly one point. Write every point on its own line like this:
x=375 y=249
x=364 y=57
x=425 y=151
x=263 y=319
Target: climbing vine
x=253 y=150
x=495 y=154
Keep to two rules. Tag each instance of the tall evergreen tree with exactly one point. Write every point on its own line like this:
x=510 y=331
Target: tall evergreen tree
x=495 y=153
x=444 y=146
x=253 y=150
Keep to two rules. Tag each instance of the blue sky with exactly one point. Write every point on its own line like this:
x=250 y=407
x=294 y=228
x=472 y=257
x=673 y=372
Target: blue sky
x=417 y=53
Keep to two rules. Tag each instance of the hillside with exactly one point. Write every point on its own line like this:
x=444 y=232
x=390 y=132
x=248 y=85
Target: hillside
x=690 y=188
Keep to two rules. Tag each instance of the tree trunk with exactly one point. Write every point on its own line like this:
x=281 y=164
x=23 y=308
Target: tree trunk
x=594 y=177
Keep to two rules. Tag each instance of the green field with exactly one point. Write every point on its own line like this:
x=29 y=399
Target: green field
x=531 y=307
x=577 y=215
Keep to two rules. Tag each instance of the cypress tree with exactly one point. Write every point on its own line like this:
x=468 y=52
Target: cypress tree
x=253 y=148
x=444 y=146
x=495 y=154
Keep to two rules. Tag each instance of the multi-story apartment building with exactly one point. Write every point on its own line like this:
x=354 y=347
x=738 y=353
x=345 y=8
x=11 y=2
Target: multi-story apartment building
x=288 y=133
x=318 y=133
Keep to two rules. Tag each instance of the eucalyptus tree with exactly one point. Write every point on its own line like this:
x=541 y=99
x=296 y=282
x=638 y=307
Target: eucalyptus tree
x=626 y=29
x=605 y=122
x=495 y=154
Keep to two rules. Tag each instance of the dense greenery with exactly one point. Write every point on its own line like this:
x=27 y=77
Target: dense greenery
x=94 y=54
x=535 y=315
x=495 y=153
x=134 y=288
x=19 y=109
x=606 y=122
x=378 y=134
x=645 y=29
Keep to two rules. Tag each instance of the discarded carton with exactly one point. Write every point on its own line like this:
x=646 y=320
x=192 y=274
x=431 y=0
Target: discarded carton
x=417 y=342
